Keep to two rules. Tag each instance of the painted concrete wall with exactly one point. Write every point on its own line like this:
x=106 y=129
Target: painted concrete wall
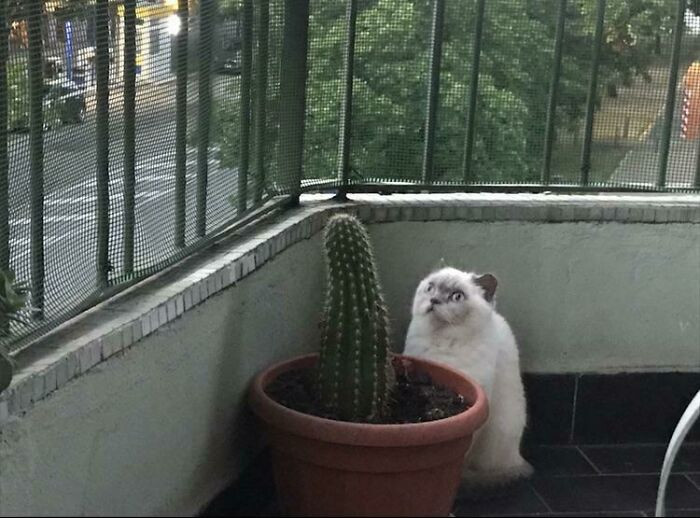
x=161 y=429
x=579 y=296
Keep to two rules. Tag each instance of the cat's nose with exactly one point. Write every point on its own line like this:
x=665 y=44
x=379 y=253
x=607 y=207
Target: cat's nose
x=435 y=301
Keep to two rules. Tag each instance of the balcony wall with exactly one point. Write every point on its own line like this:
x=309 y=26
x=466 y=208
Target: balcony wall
x=159 y=428
x=580 y=296
x=138 y=407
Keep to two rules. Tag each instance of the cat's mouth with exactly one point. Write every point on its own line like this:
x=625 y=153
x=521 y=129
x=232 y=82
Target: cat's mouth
x=432 y=312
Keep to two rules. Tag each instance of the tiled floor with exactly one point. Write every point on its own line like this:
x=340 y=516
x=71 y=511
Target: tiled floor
x=620 y=480
x=597 y=481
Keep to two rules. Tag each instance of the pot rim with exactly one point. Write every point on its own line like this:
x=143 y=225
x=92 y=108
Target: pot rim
x=368 y=434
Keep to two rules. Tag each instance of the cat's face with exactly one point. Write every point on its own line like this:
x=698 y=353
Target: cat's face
x=451 y=297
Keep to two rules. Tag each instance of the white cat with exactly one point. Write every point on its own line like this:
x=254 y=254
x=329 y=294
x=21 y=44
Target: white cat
x=455 y=322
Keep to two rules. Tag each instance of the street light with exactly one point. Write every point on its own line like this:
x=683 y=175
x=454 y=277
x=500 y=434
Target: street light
x=174 y=24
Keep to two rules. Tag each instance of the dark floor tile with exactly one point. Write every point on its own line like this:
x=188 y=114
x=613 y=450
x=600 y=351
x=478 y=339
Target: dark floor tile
x=642 y=458
x=253 y=495
x=677 y=512
x=550 y=399
x=641 y=407
x=557 y=461
x=612 y=514
x=695 y=479
x=614 y=493
x=517 y=500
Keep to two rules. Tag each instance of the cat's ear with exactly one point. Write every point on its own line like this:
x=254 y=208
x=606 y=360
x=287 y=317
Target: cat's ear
x=488 y=283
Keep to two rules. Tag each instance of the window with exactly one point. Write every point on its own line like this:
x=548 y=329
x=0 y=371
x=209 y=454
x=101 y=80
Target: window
x=155 y=37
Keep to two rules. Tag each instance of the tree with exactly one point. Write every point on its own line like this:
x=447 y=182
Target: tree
x=391 y=64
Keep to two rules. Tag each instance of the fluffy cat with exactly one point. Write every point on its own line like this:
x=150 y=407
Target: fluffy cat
x=455 y=322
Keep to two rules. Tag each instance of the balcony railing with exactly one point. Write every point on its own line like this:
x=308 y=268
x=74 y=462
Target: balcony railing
x=206 y=112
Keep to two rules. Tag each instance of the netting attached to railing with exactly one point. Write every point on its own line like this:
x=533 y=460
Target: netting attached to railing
x=137 y=128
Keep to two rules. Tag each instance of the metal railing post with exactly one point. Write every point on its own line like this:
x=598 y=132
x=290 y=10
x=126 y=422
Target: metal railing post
x=473 y=92
x=36 y=152
x=433 y=90
x=345 y=133
x=592 y=91
x=671 y=95
x=206 y=13
x=246 y=74
x=293 y=94
x=261 y=100
x=129 y=133
x=4 y=158
x=181 y=73
x=553 y=91
x=102 y=139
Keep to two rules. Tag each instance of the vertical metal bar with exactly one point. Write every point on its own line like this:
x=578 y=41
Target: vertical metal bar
x=293 y=93
x=102 y=138
x=246 y=70
x=4 y=159
x=696 y=183
x=671 y=95
x=261 y=99
x=473 y=92
x=129 y=133
x=433 y=90
x=206 y=12
x=553 y=91
x=181 y=122
x=36 y=151
x=592 y=91
x=346 y=117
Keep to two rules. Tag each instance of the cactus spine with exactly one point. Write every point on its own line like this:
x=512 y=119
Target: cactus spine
x=355 y=374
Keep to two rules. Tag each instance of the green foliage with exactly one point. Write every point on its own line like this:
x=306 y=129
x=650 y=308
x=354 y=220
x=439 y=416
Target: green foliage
x=13 y=298
x=355 y=374
x=18 y=95
x=390 y=81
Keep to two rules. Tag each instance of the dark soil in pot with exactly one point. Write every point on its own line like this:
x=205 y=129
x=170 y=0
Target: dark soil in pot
x=415 y=398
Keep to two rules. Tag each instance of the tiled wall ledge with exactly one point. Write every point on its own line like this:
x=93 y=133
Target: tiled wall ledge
x=122 y=321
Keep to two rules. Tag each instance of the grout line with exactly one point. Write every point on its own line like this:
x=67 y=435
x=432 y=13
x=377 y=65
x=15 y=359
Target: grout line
x=624 y=445
x=593 y=465
x=612 y=475
x=695 y=484
x=573 y=410
x=541 y=498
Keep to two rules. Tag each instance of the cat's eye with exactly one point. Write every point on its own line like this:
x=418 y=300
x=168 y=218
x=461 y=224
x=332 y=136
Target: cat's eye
x=429 y=288
x=457 y=296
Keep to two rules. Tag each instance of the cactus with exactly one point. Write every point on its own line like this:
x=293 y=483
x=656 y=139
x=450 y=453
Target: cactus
x=355 y=375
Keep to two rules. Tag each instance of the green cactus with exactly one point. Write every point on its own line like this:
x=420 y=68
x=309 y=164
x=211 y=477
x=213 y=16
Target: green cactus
x=355 y=375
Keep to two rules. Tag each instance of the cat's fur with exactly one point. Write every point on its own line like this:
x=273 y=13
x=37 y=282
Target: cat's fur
x=455 y=322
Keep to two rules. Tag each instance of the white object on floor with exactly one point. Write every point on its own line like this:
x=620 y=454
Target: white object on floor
x=686 y=422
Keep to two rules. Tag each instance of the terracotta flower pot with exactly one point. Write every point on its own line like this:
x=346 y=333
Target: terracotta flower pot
x=334 y=468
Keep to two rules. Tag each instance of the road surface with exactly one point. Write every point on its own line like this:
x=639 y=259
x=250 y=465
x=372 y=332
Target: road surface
x=70 y=234
x=640 y=165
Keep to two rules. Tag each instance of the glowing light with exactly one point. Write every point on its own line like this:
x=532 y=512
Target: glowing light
x=174 y=24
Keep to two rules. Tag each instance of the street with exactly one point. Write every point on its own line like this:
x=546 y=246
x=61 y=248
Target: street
x=640 y=165
x=70 y=231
